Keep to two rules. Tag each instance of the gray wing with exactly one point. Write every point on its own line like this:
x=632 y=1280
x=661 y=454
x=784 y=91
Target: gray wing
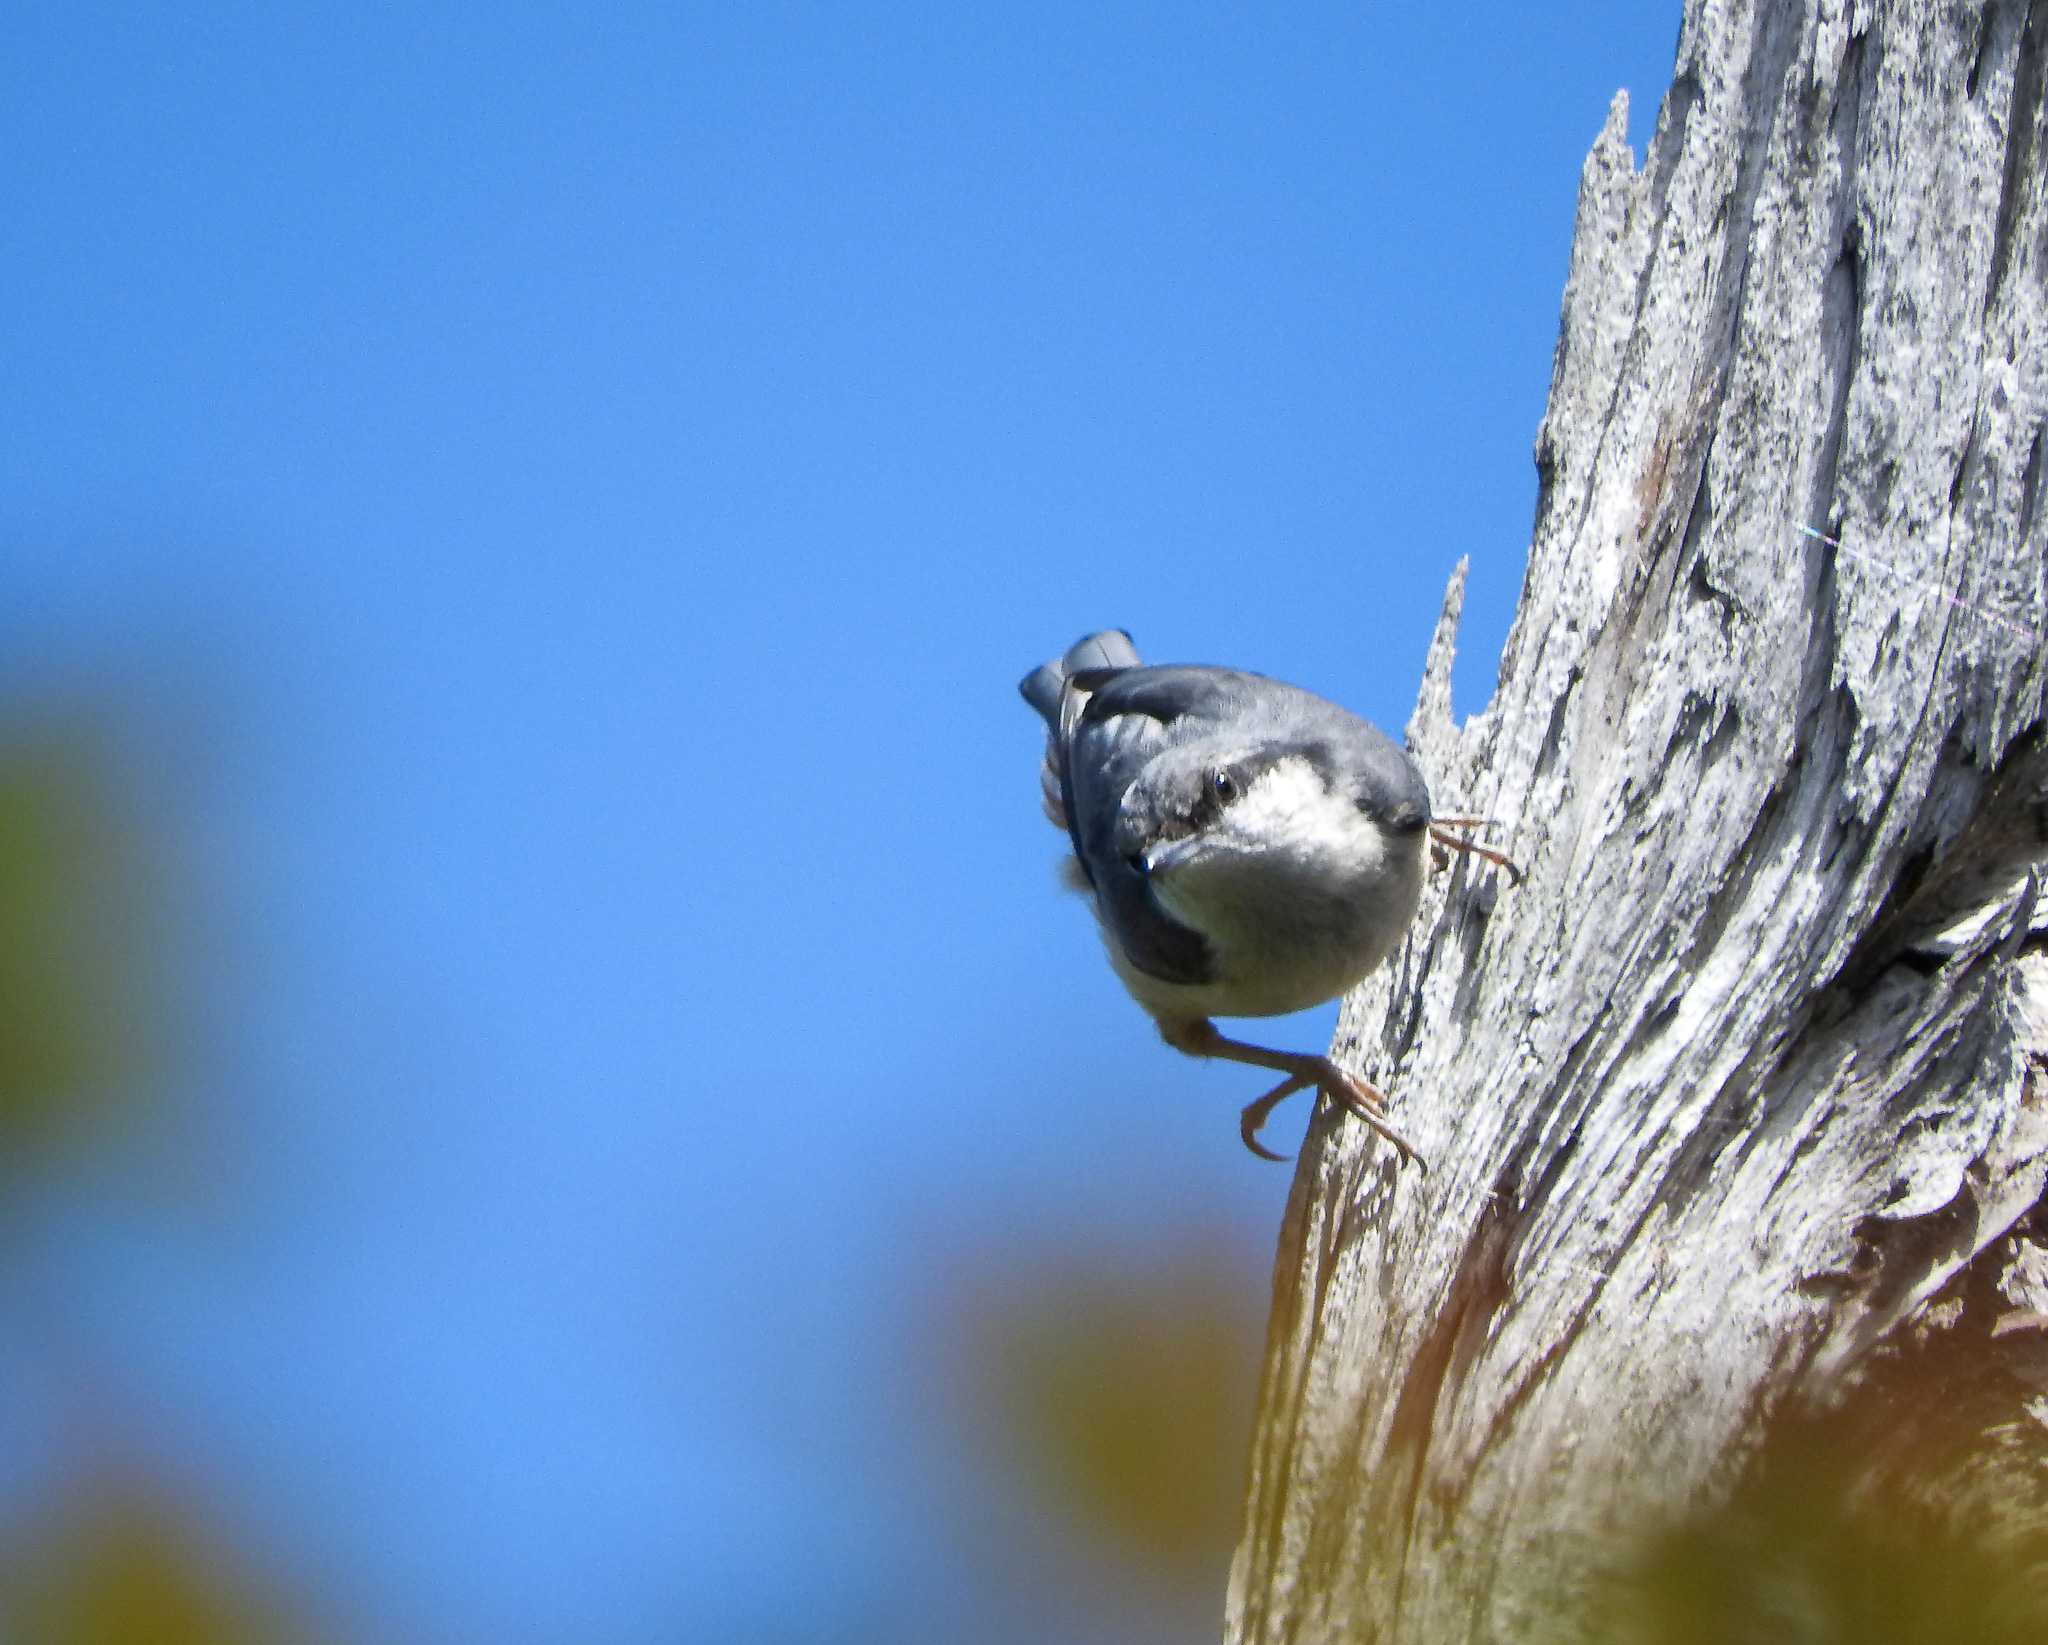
x=1179 y=692
x=1104 y=756
x=1046 y=689
x=1091 y=759
x=1128 y=719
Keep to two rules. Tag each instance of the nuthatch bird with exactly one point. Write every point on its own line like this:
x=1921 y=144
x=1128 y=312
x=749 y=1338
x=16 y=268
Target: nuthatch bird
x=1250 y=848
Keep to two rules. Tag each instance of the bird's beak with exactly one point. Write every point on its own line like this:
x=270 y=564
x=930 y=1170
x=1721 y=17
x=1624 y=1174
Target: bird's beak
x=1167 y=855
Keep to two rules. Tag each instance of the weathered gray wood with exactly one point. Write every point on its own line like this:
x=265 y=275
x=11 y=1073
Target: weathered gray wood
x=1752 y=1071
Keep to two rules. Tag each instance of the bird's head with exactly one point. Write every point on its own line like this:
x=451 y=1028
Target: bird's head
x=1276 y=834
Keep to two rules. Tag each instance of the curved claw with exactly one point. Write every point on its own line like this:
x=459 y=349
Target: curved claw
x=1361 y=1099
x=1256 y=1113
x=1249 y=1132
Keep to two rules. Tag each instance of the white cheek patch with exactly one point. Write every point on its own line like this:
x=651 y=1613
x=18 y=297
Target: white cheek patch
x=1287 y=805
x=1278 y=798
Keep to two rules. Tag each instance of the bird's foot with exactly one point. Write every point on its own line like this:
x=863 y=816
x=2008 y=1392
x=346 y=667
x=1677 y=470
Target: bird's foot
x=1198 y=1038
x=1365 y=1100
x=1440 y=831
x=1346 y=1089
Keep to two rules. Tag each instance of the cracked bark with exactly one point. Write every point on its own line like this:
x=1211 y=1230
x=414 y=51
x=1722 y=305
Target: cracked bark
x=1737 y=1108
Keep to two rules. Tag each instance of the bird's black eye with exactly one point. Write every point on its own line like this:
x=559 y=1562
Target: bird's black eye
x=1223 y=785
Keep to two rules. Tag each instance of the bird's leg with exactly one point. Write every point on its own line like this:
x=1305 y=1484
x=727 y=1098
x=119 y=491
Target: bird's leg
x=1438 y=831
x=1302 y=1068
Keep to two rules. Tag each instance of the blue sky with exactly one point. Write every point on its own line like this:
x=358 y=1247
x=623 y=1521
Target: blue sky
x=562 y=502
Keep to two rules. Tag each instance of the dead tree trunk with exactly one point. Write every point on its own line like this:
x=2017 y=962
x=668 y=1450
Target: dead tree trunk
x=1737 y=1108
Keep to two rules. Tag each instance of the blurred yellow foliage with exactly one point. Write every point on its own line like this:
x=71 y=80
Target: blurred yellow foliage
x=71 y=916
x=1124 y=1391
x=1788 y=1565
x=1914 y=1512
x=126 y=1570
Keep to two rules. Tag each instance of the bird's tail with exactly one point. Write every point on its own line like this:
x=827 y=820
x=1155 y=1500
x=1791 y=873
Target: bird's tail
x=1045 y=688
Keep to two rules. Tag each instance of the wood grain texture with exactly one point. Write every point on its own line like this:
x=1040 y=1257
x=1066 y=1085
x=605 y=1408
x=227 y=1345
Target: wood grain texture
x=1743 y=1092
